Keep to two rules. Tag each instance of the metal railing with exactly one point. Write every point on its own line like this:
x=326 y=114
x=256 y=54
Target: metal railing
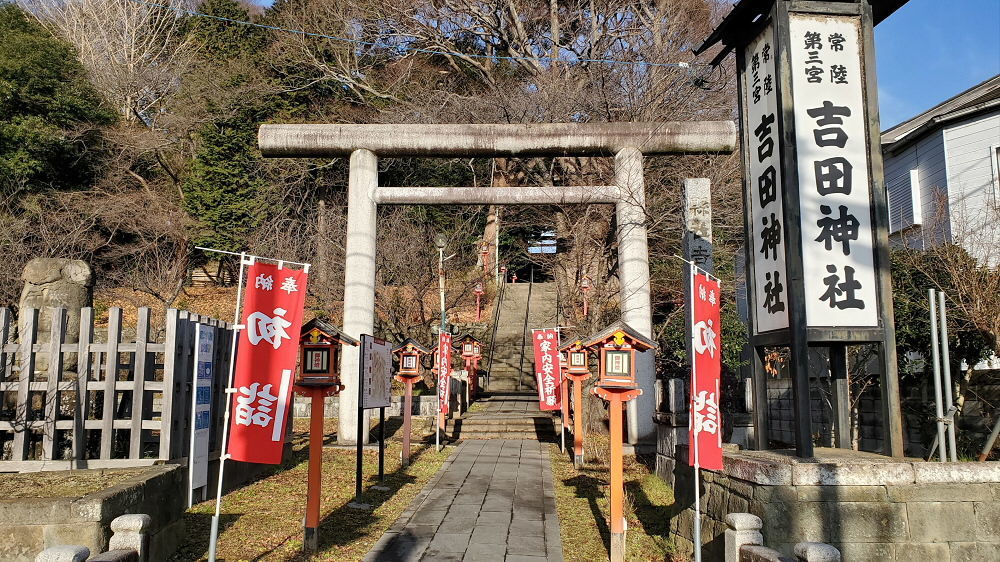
x=498 y=303
x=524 y=329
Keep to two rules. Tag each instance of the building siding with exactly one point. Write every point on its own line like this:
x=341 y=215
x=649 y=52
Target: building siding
x=970 y=150
x=927 y=156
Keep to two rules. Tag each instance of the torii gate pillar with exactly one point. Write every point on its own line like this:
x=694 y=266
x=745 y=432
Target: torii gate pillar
x=633 y=274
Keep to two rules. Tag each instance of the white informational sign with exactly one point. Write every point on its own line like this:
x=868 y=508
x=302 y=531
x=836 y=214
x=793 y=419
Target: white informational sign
x=763 y=152
x=831 y=140
x=201 y=409
x=376 y=358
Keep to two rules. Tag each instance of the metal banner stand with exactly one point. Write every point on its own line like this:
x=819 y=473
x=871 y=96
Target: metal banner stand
x=697 y=430
x=214 y=539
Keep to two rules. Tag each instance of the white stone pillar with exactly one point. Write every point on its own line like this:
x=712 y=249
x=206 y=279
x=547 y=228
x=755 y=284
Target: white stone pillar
x=359 y=285
x=741 y=529
x=633 y=273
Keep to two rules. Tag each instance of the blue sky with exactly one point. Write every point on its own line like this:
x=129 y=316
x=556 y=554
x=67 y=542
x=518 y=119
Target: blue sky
x=930 y=50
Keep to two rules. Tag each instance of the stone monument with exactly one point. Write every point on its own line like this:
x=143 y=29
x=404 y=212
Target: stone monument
x=55 y=283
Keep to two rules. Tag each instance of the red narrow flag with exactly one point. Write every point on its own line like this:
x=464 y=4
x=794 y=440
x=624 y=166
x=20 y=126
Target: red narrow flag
x=265 y=362
x=547 y=375
x=705 y=421
x=444 y=370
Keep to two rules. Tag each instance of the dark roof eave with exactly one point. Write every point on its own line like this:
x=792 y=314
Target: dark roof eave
x=734 y=24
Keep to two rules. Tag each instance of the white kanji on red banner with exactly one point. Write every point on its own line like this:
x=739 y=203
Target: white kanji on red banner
x=706 y=366
x=547 y=369
x=265 y=361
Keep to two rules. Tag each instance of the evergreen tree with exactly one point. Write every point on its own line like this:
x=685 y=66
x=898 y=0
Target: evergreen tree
x=224 y=188
x=49 y=113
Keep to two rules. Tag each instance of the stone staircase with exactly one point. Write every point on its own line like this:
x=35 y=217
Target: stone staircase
x=509 y=366
x=510 y=411
x=506 y=416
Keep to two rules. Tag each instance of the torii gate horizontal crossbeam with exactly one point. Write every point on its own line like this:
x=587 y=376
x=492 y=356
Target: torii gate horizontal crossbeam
x=492 y=139
x=548 y=195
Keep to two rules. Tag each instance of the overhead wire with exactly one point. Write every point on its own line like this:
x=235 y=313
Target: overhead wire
x=410 y=49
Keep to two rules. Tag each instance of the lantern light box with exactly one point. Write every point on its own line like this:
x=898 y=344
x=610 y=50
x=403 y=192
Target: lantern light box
x=320 y=354
x=616 y=347
x=409 y=353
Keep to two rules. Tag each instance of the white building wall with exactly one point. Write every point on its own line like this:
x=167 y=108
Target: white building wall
x=927 y=157
x=971 y=148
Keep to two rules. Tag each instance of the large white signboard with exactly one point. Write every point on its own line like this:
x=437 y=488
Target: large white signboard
x=762 y=142
x=834 y=185
x=376 y=357
x=201 y=408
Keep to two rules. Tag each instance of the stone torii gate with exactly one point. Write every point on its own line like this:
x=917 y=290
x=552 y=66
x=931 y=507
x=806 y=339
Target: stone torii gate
x=627 y=142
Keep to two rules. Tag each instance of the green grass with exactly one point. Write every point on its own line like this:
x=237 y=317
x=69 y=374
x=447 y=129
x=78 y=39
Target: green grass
x=582 y=501
x=263 y=521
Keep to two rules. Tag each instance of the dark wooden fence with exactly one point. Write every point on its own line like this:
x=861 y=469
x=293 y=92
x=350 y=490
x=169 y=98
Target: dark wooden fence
x=106 y=400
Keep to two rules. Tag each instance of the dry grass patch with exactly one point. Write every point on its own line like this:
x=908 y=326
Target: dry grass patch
x=263 y=521
x=583 y=504
x=63 y=483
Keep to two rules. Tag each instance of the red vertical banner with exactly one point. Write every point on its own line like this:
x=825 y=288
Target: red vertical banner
x=705 y=422
x=547 y=371
x=443 y=357
x=265 y=362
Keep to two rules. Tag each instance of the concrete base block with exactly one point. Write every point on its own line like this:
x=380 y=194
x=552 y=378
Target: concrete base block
x=871 y=507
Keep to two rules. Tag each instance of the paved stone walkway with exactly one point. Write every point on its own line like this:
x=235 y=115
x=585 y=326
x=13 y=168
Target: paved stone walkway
x=492 y=500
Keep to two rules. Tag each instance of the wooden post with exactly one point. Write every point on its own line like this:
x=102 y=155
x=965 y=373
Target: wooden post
x=617 y=480
x=139 y=383
x=56 y=334
x=615 y=397
x=841 y=396
x=311 y=536
x=110 y=378
x=170 y=356
x=5 y=363
x=28 y=329
x=82 y=379
x=407 y=415
x=578 y=423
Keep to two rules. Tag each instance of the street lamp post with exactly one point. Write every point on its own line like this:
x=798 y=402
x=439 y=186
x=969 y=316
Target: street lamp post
x=440 y=241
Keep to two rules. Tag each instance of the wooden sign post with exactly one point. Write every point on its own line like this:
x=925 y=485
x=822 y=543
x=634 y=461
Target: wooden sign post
x=616 y=349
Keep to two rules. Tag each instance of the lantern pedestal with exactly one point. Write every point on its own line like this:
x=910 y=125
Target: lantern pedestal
x=616 y=397
x=407 y=415
x=317 y=394
x=578 y=381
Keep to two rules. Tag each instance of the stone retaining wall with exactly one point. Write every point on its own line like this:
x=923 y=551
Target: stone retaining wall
x=30 y=525
x=869 y=506
x=424 y=405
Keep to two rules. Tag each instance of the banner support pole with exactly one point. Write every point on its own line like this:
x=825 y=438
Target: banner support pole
x=694 y=428
x=214 y=538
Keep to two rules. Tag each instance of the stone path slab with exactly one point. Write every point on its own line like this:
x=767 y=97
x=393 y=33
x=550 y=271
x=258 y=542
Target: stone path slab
x=492 y=500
